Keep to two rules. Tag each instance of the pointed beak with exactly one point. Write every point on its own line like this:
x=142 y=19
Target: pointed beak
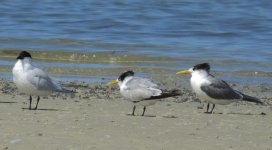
x=184 y=72
x=113 y=82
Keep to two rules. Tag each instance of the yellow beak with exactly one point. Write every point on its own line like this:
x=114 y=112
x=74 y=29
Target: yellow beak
x=183 y=72
x=113 y=82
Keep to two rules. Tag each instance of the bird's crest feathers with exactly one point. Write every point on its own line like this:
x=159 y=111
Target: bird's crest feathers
x=125 y=74
x=23 y=55
x=203 y=66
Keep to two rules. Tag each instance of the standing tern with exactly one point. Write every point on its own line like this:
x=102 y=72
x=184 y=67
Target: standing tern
x=213 y=90
x=33 y=81
x=141 y=91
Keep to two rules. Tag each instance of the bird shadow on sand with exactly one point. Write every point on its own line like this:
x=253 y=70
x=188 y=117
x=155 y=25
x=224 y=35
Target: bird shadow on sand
x=235 y=113
x=248 y=114
x=7 y=102
x=140 y=115
x=43 y=109
x=170 y=116
x=215 y=113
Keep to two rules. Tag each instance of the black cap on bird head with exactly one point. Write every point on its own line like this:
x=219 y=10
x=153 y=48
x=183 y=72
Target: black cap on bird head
x=23 y=55
x=204 y=66
x=125 y=74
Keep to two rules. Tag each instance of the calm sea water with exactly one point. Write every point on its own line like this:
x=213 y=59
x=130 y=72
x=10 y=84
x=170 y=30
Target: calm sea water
x=229 y=34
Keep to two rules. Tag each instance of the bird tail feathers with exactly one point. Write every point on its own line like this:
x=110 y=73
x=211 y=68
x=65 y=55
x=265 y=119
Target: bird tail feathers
x=252 y=99
x=165 y=94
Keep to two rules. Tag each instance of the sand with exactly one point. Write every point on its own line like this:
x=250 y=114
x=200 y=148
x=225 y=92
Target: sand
x=96 y=118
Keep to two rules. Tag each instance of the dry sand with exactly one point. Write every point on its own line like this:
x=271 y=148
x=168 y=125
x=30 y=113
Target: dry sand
x=96 y=119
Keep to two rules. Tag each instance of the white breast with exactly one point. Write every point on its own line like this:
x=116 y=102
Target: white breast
x=20 y=78
x=199 y=78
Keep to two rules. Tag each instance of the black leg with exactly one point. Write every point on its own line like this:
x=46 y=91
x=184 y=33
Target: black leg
x=208 y=106
x=38 y=99
x=134 y=107
x=143 y=111
x=212 y=108
x=30 y=101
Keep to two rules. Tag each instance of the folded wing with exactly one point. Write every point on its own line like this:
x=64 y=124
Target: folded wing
x=219 y=89
x=138 y=89
x=42 y=81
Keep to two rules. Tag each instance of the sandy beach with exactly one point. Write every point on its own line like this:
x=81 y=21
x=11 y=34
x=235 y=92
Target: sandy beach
x=97 y=118
x=86 y=44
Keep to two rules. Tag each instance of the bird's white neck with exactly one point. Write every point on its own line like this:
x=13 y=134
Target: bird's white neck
x=200 y=74
x=123 y=83
x=24 y=64
x=27 y=60
x=197 y=78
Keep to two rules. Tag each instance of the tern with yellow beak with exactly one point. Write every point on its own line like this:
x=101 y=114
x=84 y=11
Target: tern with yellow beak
x=141 y=91
x=212 y=90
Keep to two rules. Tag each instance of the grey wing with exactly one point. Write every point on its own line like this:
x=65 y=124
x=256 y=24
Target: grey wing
x=42 y=80
x=140 y=88
x=219 y=89
x=137 y=82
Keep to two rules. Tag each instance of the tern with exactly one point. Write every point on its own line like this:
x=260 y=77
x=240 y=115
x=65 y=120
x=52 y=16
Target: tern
x=33 y=81
x=213 y=90
x=141 y=91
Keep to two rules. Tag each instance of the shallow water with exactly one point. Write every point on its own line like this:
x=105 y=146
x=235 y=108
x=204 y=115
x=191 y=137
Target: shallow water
x=104 y=38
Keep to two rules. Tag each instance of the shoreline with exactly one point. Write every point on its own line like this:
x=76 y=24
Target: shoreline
x=80 y=66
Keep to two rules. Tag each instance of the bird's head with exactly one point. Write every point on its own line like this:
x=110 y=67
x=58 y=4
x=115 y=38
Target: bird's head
x=122 y=77
x=23 y=55
x=197 y=68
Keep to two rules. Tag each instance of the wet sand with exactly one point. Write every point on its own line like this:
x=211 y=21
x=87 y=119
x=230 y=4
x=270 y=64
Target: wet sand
x=96 y=118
